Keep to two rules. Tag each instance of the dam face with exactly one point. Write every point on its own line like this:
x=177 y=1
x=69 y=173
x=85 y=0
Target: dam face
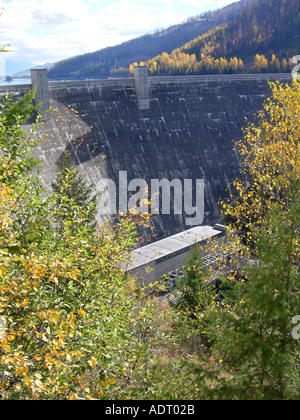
x=185 y=129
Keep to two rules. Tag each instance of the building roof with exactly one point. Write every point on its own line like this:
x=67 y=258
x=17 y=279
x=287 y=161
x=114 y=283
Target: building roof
x=171 y=245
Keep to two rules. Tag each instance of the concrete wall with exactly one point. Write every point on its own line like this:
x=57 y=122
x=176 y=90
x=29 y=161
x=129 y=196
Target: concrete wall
x=39 y=78
x=141 y=84
x=188 y=132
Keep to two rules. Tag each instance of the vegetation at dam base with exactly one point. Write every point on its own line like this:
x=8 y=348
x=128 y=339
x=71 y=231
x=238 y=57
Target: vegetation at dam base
x=77 y=327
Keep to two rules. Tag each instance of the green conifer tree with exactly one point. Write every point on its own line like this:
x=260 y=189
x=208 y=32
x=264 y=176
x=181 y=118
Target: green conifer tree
x=72 y=192
x=253 y=339
x=191 y=284
x=192 y=303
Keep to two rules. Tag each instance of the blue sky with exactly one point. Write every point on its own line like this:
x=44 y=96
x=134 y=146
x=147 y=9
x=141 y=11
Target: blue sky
x=41 y=31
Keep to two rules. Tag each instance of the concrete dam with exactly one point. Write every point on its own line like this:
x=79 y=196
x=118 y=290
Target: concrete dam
x=171 y=128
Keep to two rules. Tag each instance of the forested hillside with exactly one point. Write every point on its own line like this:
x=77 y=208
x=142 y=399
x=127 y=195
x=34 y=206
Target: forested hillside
x=262 y=37
x=248 y=36
x=116 y=60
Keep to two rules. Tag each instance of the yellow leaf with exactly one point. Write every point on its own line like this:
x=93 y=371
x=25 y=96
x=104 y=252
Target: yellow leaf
x=111 y=381
x=4 y=343
x=39 y=383
x=79 y=354
x=72 y=324
x=18 y=371
x=25 y=302
x=54 y=318
x=60 y=343
x=93 y=362
x=3 y=270
x=81 y=312
x=69 y=357
x=26 y=379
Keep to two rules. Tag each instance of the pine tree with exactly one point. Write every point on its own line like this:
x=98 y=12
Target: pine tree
x=71 y=190
x=254 y=339
x=191 y=285
x=192 y=303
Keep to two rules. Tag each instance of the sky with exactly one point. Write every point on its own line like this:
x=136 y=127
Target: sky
x=43 y=31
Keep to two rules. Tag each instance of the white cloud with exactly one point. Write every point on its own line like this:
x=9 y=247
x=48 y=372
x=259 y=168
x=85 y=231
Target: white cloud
x=49 y=30
x=41 y=27
x=56 y=29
